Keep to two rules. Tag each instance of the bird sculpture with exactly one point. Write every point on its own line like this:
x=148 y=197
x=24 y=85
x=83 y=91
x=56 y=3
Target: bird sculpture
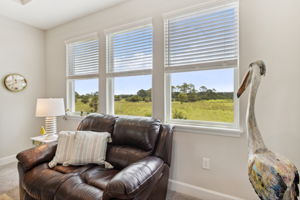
x=272 y=176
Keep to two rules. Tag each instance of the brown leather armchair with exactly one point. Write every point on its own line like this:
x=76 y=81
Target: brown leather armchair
x=140 y=153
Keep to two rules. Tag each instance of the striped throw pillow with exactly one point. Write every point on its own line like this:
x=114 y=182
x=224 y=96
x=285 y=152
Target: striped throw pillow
x=65 y=146
x=90 y=147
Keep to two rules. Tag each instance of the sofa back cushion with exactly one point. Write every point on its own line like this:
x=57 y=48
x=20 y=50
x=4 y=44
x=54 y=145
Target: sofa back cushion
x=98 y=122
x=133 y=139
x=136 y=132
x=122 y=156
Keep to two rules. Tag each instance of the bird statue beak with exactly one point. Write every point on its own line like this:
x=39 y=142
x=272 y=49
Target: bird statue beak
x=244 y=84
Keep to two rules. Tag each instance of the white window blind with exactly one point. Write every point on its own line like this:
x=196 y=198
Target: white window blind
x=130 y=50
x=202 y=37
x=83 y=57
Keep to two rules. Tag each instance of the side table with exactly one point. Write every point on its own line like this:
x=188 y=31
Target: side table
x=43 y=139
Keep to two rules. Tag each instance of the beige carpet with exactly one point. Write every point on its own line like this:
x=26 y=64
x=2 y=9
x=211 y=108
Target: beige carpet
x=9 y=185
x=5 y=197
x=10 y=195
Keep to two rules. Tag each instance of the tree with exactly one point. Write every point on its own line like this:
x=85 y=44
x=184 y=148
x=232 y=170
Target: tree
x=149 y=93
x=203 y=88
x=142 y=93
x=147 y=99
x=192 y=97
x=173 y=89
x=191 y=88
x=182 y=97
x=117 y=98
x=94 y=103
x=134 y=98
x=184 y=88
x=210 y=94
x=85 y=99
x=77 y=95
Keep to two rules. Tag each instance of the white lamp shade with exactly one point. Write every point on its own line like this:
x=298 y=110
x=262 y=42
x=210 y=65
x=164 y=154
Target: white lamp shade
x=50 y=107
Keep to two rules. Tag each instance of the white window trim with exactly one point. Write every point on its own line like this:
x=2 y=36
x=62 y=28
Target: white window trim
x=128 y=26
x=209 y=5
x=70 y=87
x=109 y=76
x=232 y=63
x=88 y=36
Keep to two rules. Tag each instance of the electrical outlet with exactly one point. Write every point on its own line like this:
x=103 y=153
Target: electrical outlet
x=205 y=163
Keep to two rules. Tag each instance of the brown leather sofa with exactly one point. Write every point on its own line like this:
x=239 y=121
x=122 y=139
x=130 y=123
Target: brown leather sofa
x=140 y=153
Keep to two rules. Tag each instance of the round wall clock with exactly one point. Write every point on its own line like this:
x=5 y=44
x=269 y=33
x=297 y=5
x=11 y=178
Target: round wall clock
x=15 y=82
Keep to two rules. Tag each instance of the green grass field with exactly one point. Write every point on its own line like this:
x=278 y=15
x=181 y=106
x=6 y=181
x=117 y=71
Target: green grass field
x=220 y=110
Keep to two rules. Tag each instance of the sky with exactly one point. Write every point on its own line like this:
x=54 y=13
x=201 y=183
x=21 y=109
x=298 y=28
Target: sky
x=221 y=80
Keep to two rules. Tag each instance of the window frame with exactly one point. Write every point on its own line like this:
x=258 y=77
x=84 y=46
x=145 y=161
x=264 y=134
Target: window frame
x=109 y=76
x=233 y=63
x=70 y=79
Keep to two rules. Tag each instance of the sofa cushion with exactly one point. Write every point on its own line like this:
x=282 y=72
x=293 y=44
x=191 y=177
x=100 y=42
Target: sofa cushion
x=42 y=182
x=122 y=156
x=99 y=177
x=138 y=132
x=73 y=169
x=75 y=188
x=98 y=122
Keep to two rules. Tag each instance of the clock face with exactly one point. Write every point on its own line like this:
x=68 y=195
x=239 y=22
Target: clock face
x=15 y=82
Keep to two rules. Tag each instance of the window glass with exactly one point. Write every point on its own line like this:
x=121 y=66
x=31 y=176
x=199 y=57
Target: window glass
x=133 y=95
x=86 y=95
x=203 y=95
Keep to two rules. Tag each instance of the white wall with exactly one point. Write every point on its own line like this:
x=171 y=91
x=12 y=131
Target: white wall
x=21 y=51
x=269 y=30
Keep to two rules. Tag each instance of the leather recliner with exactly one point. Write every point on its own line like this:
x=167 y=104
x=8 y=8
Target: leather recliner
x=140 y=153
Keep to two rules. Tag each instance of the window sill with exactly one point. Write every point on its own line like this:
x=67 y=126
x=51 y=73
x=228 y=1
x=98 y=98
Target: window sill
x=228 y=132
x=73 y=117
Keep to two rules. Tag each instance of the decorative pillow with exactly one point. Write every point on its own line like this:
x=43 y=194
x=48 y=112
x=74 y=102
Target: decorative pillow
x=64 y=149
x=90 y=147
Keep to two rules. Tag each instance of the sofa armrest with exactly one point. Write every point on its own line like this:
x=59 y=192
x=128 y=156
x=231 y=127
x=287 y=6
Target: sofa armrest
x=134 y=178
x=37 y=155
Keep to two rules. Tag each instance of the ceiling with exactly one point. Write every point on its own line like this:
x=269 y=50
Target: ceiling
x=46 y=14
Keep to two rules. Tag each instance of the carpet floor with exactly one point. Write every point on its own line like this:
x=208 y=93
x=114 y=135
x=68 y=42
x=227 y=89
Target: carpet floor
x=9 y=185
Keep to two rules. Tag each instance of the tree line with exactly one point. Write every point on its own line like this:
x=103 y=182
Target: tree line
x=182 y=93
x=188 y=93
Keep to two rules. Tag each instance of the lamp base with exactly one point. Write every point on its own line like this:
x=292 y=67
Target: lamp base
x=50 y=125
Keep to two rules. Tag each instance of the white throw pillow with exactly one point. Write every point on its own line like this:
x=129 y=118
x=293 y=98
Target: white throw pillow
x=90 y=147
x=65 y=148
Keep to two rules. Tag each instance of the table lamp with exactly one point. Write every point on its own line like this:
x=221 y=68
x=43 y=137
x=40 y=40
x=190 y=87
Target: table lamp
x=50 y=108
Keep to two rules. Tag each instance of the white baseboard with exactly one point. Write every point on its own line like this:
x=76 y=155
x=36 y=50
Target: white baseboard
x=7 y=160
x=198 y=192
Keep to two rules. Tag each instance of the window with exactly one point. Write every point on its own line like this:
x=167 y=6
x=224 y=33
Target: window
x=201 y=56
x=82 y=75
x=129 y=69
x=183 y=71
